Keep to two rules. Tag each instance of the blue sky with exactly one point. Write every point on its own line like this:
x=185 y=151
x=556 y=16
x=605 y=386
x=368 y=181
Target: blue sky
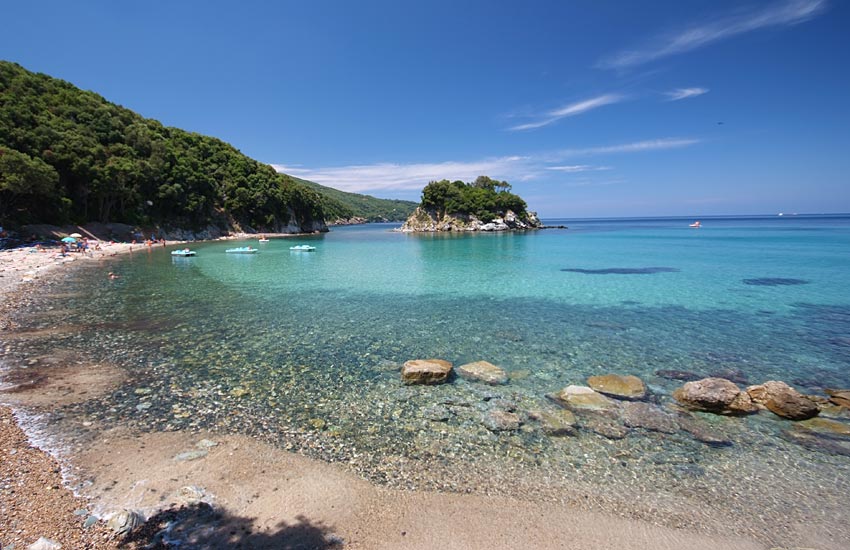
x=589 y=108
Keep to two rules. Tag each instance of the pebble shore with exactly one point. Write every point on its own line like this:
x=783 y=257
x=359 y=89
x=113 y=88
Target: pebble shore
x=34 y=503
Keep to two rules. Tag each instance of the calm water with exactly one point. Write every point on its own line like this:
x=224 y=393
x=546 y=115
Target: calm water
x=303 y=349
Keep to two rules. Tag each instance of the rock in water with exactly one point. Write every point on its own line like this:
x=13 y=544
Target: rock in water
x=672 y=374
x=425 y=371
x=582 y=397
x=482 y=371
x=826 y=427
x=716 y=395
x=559 y=422
x=648 y=417
x=602 y=425
x=783 y=400
x=44 y=544
x=702 y=431
x=839 y=397
x=621 y=387
x=124 y=522
x=501 y=421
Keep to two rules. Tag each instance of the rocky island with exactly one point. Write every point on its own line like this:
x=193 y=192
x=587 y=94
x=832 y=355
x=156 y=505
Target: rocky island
x=483 y=205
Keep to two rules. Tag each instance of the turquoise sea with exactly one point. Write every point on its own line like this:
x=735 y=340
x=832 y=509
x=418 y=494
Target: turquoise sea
x=303 y=349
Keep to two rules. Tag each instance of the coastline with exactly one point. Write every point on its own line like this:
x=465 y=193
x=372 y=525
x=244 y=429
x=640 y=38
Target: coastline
x=269 y=496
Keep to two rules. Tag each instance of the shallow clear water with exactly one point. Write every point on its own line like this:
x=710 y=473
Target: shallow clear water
x=303 y=348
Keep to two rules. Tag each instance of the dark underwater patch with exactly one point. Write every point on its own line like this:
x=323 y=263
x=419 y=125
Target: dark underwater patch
x=774 y=281
x=623 y=270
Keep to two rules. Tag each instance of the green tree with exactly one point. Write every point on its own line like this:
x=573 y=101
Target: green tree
x=25 y=184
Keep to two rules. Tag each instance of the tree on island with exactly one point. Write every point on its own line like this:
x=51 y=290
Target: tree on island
x=485 y=198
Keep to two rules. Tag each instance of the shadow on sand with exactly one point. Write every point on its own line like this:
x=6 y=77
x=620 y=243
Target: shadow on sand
x=202 y=526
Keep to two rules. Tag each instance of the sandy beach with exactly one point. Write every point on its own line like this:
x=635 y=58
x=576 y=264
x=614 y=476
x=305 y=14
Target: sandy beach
x=231 y=491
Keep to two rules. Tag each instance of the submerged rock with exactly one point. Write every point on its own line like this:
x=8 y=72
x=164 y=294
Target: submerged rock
x=582 y=397
x=672 y=374
x=735 y=375
x=826 y=427
x=604 y=426
x=557 y=423
x=783 y=400
x=500 y=421
x=619 y=386
x=649 y=417
x=437 y=413
x=482 y=371
x=716 y=395
x=839 y=397
x=425 y=371
x=702 y=431
x=816 y=442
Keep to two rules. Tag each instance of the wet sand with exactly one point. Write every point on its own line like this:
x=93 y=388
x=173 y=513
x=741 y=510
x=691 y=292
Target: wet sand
x=244 y=493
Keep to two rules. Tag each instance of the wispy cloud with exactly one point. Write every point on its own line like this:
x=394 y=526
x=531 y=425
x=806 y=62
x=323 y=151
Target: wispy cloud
x=684 y=93
x=576 y=168
x=781 y=14
x=412 y=177
x=401 y=177
x=633 y=147
x=572 y=109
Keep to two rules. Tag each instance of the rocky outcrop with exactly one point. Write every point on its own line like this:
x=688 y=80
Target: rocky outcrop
x=482 y=371
x=428 y=221
x=425 y=371
x=783 y=400
x=355 y=220
x=621 y=387
x=582 y=397
x=839 y=397
x=716 y=395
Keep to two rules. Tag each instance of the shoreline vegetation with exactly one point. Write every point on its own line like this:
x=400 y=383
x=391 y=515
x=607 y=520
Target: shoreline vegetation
x=221 y=490
x=69 y=156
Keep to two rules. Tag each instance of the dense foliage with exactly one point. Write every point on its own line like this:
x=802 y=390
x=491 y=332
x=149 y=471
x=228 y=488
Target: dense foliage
x=70 y=155
x=484 y=198
x=344 y=205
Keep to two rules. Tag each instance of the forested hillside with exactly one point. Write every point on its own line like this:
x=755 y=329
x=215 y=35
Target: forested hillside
x=342 y=204
x=68 y=155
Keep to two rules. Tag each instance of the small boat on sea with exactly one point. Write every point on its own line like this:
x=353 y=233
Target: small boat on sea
x=185 y=252
x=263 y=240
x=241 y=250
x=696 y=224
x=303 y=248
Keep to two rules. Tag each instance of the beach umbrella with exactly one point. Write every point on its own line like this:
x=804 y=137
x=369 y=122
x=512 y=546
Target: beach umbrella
x=76 y=235
x=69 y=240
